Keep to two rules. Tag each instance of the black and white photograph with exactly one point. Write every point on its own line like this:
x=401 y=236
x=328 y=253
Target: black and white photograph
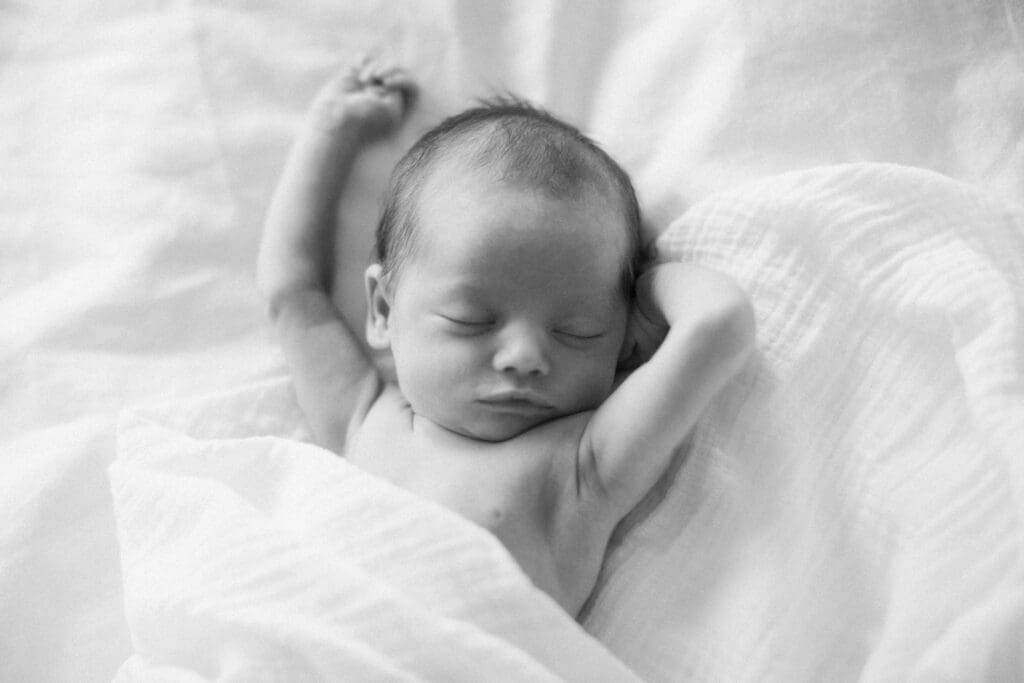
x=480 y=340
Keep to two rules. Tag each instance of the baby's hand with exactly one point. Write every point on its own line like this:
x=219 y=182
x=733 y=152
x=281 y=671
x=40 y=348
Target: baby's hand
x=369 y=97
x=646 y=328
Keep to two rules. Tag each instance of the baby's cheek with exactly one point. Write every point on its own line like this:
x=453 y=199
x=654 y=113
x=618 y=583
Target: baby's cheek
x=595 y=378
x=416 y=372
x=443 y=369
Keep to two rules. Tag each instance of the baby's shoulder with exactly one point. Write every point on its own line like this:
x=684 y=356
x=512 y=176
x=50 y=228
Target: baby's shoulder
x=387 y=402
x=381 y=406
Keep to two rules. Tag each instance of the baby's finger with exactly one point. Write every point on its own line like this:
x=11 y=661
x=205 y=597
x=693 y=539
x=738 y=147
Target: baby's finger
x=406 y=87
x=397 y=100
x=361 y=63
x=399 y=79
x=385 y=73
x=372 y=71
x=391 y=81
x=396 y=78
x=349 y=79
x=353 y=72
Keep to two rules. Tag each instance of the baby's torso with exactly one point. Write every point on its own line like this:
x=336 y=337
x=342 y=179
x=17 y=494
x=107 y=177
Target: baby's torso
x=523 y=490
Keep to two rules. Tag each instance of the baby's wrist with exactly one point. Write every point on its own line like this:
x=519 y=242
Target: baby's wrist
x=339 y=136
x=331 y=119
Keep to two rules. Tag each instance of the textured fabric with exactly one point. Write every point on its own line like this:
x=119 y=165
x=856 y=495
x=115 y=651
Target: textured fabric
x=262 y=558
x=853 y=506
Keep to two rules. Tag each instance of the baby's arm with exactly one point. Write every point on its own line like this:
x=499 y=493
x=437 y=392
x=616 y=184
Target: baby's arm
x=330 y=368
x=631 y=438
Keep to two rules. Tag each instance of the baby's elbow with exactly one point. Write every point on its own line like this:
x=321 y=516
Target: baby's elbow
x=268 y=280
x=280 y=287
x=272 y=291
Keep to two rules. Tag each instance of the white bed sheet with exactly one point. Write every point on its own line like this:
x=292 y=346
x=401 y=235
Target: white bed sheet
x=139 y=143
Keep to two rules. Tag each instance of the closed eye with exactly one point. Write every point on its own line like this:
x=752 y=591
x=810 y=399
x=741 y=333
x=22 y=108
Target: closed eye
x=579 y=336
x=466 y=322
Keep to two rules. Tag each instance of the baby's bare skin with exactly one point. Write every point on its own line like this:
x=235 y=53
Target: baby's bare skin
x=506 y=327
x=523 y=490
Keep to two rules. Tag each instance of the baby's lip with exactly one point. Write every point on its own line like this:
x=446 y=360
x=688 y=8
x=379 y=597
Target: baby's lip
x=517 y=399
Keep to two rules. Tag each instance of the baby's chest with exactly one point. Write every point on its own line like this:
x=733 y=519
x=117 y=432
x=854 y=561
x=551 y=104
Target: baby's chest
x=485 y=487
x=514 y=484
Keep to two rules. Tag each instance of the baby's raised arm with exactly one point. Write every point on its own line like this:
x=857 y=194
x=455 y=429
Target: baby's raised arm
x=631 y=438
x=330 y=368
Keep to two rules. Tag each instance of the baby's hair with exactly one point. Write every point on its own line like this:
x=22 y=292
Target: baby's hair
x=527 y=147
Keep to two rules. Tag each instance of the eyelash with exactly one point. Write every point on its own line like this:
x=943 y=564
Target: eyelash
x=467 y=323
x=580 y=337
x=468 y=327
x=479 y=325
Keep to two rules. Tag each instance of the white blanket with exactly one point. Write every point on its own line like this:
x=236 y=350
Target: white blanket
x=850 y=508
x=853 y=507
x=251 y=557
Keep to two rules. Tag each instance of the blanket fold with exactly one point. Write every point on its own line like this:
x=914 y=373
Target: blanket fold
x=853 y=505
x=265 y=557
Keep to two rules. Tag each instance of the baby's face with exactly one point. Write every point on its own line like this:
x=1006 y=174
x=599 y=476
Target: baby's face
x=510 y=312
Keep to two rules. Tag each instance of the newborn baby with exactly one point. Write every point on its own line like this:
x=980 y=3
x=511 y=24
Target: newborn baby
x=543 y=384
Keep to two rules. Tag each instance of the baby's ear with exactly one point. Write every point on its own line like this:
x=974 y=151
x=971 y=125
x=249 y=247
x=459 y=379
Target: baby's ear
x=378 y=308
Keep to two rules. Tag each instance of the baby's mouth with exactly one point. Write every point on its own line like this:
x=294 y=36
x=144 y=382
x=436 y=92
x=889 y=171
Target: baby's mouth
x=517 y=402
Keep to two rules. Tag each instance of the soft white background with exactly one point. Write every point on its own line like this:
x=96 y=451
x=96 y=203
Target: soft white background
x=139 y=142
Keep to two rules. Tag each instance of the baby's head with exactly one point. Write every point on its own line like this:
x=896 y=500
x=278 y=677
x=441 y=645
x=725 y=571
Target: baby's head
x=506 y=254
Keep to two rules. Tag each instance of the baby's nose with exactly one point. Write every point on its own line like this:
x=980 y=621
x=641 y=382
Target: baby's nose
x=522 y=352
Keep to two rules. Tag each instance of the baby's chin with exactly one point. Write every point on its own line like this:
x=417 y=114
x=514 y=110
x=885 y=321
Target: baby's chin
x=495 y=433
x=495 y=429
